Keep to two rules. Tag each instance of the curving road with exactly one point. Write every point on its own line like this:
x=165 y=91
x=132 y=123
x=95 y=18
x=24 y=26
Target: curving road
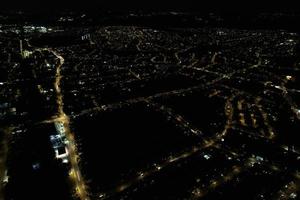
x=75 y=174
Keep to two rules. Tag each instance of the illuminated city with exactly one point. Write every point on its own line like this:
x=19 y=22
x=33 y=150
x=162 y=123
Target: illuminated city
x=161 y=105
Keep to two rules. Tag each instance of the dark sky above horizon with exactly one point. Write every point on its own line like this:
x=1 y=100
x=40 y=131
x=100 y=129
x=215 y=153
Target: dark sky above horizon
x=185 y=5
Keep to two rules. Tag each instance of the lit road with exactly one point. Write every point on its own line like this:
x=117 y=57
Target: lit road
x=210 y=142
x=75 y=174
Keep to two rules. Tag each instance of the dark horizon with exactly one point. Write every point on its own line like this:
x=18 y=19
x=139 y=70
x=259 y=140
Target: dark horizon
x=155 y=5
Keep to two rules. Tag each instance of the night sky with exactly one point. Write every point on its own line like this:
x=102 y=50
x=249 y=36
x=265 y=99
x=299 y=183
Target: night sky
x=155 y=5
